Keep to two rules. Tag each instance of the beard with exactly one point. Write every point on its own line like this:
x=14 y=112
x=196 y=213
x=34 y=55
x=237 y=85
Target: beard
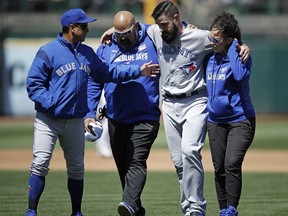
x=127 y=42
x=168 y=37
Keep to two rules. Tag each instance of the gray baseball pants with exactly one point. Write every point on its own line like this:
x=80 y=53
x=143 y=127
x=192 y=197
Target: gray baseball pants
x=70 y=133
x=185 y=123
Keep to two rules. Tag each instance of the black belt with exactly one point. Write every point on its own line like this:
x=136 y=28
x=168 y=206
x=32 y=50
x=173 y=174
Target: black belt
x=183 y=95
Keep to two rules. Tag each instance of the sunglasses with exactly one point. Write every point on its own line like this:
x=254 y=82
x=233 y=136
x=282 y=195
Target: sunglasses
x=84 y=27
x=125 y=34
x=214 y=40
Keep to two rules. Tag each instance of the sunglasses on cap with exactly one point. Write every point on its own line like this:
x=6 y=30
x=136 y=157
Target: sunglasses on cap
x=126 y=33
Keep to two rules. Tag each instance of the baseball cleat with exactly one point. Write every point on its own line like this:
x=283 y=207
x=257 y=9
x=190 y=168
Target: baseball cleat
x=30 y=212
x=77 y=214
x=125 y=209
x=231 y=211
x=223 y=212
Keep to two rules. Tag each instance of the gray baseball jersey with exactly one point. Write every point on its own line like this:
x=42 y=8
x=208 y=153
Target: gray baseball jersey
x=181 y=62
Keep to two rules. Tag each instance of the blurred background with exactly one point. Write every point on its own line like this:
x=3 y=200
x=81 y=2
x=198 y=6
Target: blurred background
x=25 y=25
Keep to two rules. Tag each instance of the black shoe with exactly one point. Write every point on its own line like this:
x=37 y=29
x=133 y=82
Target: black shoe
x=124 y=209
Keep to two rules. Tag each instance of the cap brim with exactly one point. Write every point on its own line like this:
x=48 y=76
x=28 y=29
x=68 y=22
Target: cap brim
x=88 y=20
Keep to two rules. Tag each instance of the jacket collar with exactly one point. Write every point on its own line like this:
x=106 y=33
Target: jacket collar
x=66 y=43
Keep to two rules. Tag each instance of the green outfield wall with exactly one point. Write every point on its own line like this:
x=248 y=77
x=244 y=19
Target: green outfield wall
x=269 y=79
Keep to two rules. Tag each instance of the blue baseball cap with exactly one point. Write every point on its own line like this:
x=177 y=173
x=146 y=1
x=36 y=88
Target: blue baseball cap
x=73 y=16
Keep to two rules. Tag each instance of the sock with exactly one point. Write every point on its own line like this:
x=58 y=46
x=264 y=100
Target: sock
x=36 y=187
x=75 y=188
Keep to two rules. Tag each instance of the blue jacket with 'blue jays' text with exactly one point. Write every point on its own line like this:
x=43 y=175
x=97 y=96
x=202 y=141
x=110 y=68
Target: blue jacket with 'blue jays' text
x=135 y=100
x=57 y=79
x=227 y=80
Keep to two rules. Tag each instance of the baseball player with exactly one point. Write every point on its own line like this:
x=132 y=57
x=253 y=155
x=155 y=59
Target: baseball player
x=231 y=120
x=181 y=52
x=132 y=109
x=57 y=83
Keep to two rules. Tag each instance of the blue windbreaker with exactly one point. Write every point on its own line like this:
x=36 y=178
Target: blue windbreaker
x=135 y=100
x=58 y=77
x=227 y=82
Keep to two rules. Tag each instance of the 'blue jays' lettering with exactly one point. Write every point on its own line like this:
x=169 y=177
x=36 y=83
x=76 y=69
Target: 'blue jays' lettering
x=71 y=67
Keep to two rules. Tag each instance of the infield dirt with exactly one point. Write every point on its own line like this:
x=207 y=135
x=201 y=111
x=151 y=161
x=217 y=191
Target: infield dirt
x=159 y=160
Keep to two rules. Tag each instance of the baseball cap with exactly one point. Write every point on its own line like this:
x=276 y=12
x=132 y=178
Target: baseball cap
x=76 y=15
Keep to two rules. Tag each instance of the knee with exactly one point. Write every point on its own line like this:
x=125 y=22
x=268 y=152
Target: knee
x=179 y=167
x=40 y=165
x=219 y=169
x=76 y=171
x=193 y=155
x=193 y=149
x=232 y=165
x=39 y=169
x=177 y=160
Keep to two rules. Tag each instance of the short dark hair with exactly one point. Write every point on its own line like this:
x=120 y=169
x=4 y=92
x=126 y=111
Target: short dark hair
x=227 y=24
x=166 y=8
x=65 y=29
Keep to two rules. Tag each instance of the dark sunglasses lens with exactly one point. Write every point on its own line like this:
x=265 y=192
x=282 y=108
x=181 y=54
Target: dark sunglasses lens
x=82 y=26
x=213 y=40
x=125 y=34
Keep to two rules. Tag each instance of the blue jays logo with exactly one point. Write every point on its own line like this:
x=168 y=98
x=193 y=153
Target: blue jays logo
x=188 y=67
x=142 y=47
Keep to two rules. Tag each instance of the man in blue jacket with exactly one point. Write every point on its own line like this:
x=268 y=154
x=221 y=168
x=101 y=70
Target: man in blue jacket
x=132 y=109
x=57 y=84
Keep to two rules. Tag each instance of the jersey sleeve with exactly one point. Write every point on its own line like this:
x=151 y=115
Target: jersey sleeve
x=104 y=72
x=240 y=69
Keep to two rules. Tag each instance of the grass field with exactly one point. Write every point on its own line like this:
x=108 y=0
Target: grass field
x=264 y=194
x=269 y=135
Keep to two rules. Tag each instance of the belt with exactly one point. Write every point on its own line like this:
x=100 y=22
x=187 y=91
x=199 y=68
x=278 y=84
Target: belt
x=183 y=95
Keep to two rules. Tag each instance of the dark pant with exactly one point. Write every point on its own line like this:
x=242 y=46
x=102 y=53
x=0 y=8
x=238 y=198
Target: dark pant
x=229 y=144
x=131 y=144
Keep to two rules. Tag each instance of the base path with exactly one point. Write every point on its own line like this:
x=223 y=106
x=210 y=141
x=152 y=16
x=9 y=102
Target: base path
x=159 y=160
